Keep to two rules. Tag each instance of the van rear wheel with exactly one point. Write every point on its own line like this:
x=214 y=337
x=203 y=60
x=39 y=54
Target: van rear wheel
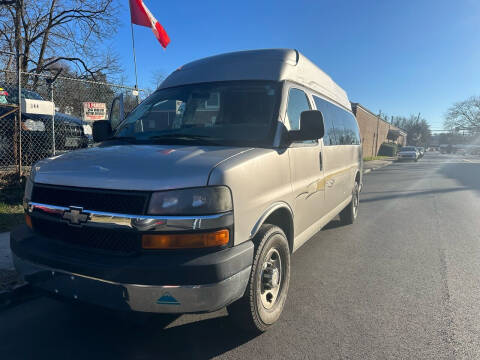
x=349 y=214
x=267 y=289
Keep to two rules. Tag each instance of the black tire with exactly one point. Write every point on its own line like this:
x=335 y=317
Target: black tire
x=249 y=312
x=349 y=214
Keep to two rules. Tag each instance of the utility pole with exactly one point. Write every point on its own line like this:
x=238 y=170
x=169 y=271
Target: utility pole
x=19 y=47
x=378 y=125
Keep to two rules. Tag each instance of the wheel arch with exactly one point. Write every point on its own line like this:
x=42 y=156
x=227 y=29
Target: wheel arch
x=358 y=177
x=281 y=215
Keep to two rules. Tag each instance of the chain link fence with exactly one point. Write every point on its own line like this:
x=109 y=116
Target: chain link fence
x=42 y=132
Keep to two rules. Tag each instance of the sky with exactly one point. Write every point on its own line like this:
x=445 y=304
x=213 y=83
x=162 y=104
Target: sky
x=398 y=57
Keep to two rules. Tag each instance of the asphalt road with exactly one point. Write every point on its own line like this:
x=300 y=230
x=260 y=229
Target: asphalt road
x=403 y=283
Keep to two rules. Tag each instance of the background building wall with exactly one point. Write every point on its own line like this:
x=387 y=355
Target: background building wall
x=373 y=130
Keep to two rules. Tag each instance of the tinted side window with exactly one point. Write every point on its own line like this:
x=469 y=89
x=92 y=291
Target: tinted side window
x=297 y=103
x=351 y=132
x=341 y=127
x=329 y=115
x=346 y=127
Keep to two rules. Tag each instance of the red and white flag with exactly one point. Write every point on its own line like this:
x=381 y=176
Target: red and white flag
x=140 y=15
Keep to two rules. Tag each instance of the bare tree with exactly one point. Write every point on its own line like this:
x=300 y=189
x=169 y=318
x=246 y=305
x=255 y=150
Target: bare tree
x=417 y=128
x=464 y=115
x=53 y=32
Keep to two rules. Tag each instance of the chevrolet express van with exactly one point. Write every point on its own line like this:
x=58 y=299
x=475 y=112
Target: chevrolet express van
x=198 y=198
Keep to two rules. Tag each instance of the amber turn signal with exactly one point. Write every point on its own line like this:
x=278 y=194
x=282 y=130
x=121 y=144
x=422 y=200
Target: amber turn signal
x=186 y=241
x=28 y=221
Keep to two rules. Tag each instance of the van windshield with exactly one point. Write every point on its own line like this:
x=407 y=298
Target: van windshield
x=239 y=113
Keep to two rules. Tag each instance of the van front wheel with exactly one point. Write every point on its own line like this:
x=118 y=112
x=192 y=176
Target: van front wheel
x=349 y=214
x=267 y=289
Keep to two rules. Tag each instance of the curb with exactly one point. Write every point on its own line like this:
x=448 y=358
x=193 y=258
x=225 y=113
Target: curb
x=376 y=168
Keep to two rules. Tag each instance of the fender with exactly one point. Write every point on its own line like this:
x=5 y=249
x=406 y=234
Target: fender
x=267 y=213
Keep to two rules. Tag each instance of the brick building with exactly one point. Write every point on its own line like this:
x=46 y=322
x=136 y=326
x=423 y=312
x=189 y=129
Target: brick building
x=375 y=131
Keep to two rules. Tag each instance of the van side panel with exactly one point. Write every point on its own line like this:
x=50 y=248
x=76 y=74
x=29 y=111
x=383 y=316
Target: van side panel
x=257 y=179
x=342 y=150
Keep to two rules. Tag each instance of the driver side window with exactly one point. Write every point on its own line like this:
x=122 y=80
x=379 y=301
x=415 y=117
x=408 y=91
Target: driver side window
x=297 y=103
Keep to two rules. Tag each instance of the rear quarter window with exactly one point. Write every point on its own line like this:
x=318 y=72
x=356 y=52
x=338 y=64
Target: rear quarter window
x=341 y=127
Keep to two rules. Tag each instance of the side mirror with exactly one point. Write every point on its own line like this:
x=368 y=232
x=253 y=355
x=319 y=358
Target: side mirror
x=102 y=130
x=311 y=127
x=117 y=112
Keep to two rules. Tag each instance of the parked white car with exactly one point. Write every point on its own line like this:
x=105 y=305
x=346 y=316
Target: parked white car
x=408 y=153
x=421 y=151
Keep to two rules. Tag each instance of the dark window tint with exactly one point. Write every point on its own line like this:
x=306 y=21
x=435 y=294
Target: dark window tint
x=230 y=113
x=340 y=126
x=297 y=103
x=352 y=134
x=329 y=114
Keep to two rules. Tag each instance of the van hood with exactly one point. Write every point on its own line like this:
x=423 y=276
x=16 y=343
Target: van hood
x=59 y=117
x=134 y=167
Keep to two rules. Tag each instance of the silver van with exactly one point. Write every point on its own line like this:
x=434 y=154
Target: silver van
x=197 y=199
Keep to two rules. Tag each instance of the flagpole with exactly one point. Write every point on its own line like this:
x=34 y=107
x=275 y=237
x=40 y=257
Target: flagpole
x=135 y=62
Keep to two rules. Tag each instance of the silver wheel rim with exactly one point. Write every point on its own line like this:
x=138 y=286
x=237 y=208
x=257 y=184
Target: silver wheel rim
x=271 y=278
x=356 y=201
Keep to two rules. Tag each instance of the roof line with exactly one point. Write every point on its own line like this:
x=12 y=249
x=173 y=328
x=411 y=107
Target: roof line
x=377 y=116
x=364 y=108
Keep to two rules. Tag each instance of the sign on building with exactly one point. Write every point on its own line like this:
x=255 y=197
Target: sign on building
x=93 y=111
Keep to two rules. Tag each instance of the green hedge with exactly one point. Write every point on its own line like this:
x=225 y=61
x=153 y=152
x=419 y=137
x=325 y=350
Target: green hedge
x=388 y=149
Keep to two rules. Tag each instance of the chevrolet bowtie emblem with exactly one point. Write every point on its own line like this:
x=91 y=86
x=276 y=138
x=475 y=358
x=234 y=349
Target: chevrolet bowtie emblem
x=75 y=215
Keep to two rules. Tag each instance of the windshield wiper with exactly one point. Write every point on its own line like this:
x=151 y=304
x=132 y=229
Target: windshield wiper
x=185 y=137
x=122 y=138
x=130 y=139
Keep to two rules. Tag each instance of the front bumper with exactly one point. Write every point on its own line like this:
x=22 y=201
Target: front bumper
x=163 y=283
x=406 y=157
x=135 y=297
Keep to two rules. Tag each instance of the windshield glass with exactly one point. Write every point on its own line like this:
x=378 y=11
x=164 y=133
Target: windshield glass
x=408 y=148
x=11 y=95
x=239 y=113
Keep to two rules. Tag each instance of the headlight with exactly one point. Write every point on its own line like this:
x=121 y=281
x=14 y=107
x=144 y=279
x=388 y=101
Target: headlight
x=193 y=201
x=39 y=126
x=28 y=125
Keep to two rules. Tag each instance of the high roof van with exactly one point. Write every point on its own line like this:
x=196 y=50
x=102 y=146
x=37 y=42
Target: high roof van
x=199 y=197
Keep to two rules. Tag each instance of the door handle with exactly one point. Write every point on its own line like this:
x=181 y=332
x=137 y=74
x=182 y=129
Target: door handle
x=321 y=161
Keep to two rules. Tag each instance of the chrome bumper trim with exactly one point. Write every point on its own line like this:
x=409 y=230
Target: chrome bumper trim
x=144 y=298
x=135 y=222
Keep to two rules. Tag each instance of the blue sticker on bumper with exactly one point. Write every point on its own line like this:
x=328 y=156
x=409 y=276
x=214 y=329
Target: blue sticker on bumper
x=167 y=299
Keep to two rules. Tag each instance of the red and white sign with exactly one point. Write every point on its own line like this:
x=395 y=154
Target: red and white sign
x=93 y=111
